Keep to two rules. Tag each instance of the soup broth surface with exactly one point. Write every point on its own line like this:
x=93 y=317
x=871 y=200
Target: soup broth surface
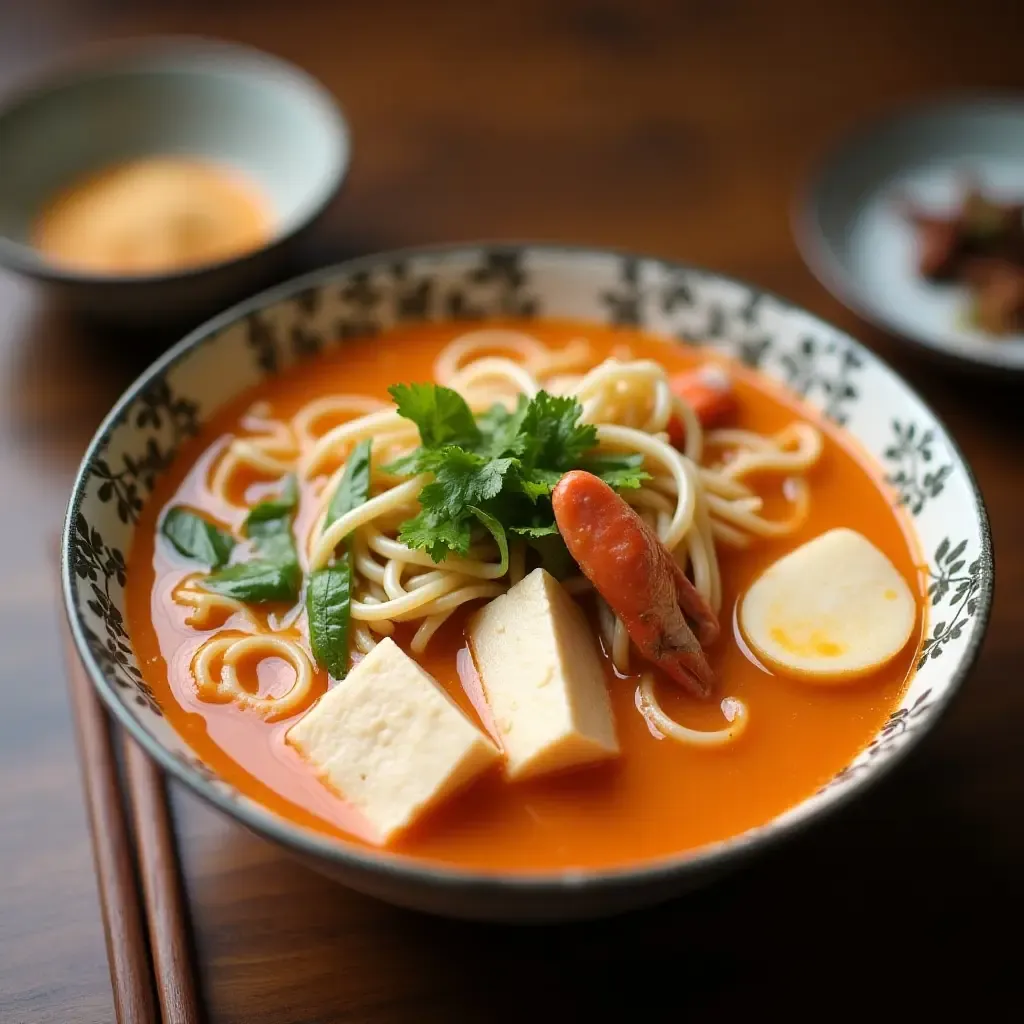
x=658 y=798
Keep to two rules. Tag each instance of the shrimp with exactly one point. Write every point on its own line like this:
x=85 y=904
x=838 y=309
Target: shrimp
x=638 y=577
x=709 y=392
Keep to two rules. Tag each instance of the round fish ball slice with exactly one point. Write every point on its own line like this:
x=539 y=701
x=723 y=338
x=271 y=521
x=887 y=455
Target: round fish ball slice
x=832 y=610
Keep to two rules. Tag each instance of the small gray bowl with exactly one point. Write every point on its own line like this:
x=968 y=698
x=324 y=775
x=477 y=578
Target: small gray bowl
x=180 y=96
x=267 y=334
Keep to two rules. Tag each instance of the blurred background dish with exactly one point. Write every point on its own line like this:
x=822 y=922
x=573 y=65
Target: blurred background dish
x=161 y=180
x=897 y=196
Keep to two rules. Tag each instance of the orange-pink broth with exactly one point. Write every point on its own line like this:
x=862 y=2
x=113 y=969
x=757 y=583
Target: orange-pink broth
x=658 y=797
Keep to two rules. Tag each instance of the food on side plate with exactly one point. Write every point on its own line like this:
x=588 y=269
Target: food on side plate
x=980 y=244
x=524 y=597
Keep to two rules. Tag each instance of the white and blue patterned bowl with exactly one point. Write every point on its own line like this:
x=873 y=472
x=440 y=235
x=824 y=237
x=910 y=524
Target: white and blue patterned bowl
x=360 y=298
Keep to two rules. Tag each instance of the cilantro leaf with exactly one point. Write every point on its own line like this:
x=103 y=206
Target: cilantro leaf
x=497 y=531
x=538 y=530
x=440 y=414
x=499 y=470
x=554 y=555
x=436 y=535
x=556 y=438
x=461 y=478
x=501 y=430
x=623 y=471
x=406 y=465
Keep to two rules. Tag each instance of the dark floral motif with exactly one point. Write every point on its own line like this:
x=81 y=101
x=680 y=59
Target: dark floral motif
x=360 y=292
x=309 y=300
x=413 y=298
x=676 y=295
x=624 y=305
x=503 y=268
x=158 y=404
x=158 y=409
x=101 y=566
x=495 y=288
x=750 y=311
x=305 y=341
x=752 y=351
x=891 y=736
x=363 y=299
x=911 y=451
x=803 y=369
x=950 y=579
x=260 y=338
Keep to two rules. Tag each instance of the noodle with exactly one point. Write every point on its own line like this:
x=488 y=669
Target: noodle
x=224 y=686
x=734 y=710
x=696 y=504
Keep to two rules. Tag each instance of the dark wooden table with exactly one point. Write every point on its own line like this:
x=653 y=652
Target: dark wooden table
x=683 y=129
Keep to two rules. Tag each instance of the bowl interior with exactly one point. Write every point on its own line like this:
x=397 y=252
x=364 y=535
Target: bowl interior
x=865 y=251
x=223 y=103
x=359 y=299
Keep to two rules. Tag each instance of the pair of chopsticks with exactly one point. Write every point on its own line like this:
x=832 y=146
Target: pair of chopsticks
x=141 y=957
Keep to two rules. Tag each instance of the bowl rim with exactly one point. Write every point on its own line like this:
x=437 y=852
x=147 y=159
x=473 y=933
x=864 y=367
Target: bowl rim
x=820 y=256
x=384 y=864
x=129 y=55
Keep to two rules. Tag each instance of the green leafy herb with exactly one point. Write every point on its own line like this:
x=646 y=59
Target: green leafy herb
x=329 y=594
x=354 y=487
x=621 y=471
x=555 y=437
x=554 y=555
x=441 y=414
x=257 y=582
x=497 y=531
x=273 y=510
x=329 y=608
x=275 y=574
x=499 y=470
x=195 y=537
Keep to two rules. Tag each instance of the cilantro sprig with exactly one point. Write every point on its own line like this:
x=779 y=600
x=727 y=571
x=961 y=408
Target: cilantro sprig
x=496 y=472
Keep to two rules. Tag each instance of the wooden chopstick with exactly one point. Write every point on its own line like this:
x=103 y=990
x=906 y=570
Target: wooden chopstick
x=131 y=972
x=127 y=953
x=161 y=888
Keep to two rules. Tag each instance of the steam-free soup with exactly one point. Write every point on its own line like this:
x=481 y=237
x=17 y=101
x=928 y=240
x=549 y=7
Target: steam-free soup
x=522 y=598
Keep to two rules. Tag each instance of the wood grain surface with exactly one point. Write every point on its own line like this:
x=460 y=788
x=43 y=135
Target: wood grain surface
x=684 y=129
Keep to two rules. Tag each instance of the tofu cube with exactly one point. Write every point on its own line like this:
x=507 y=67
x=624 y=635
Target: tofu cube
x=389 y=740
x=541 y=674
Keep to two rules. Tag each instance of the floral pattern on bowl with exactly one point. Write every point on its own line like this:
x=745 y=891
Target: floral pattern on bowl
x=364 y=297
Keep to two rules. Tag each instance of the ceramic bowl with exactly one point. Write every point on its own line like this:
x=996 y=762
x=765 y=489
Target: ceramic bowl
x=857 y=242
x=189 y=97
x=266 y=334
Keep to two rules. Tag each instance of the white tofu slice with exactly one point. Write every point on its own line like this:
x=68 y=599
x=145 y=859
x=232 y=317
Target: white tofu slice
x=542 y=677
x=833 y=609
x=389 y=740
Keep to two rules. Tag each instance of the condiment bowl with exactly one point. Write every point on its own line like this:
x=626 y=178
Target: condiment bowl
x=266 y=334
x=198 y=98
